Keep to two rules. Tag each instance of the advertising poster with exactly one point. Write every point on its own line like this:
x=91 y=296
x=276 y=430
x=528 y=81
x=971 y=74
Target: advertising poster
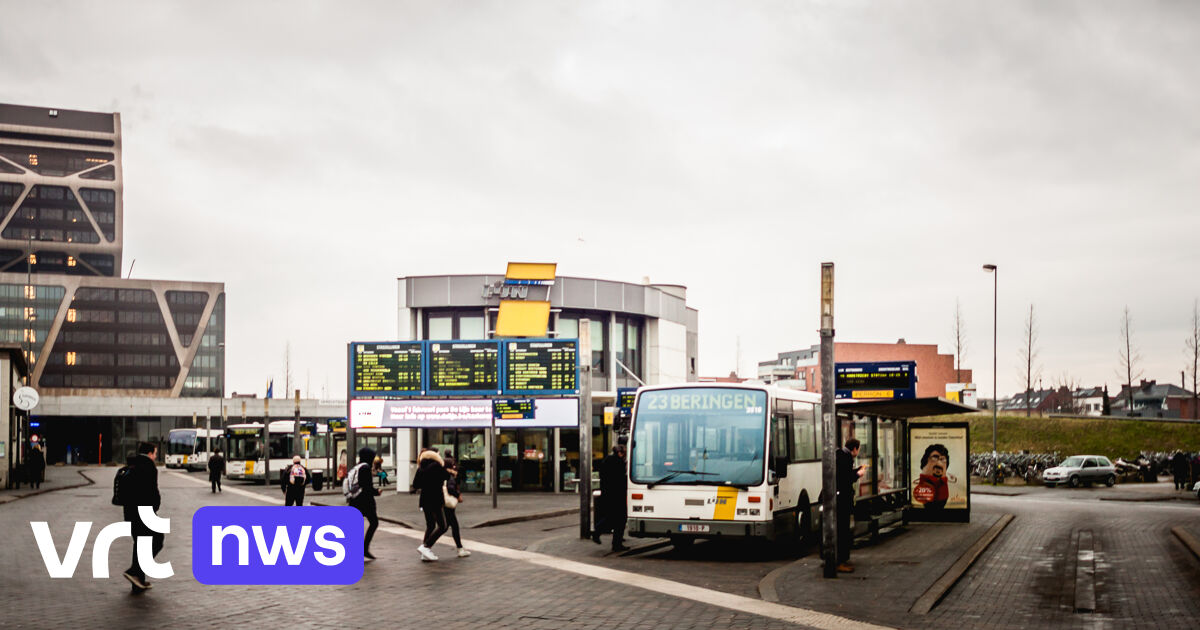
x=938 y=472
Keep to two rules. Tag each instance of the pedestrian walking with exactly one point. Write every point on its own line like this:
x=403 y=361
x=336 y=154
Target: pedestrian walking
x=361 y=493
x=378 y=471
x=216 y=468
x=452 y=499
x=613 y=486
x=292 y=481
x=37 y=467
x=430 y=480
x=138 y=488
x=1179 y=468
x=847 y=476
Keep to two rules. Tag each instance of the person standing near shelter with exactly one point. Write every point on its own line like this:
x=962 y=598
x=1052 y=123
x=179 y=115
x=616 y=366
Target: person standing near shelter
x=430 y=480
x=216 y=468
x=292 y=480
x=847 y=476
x=452 y=492
x=140 y=487
x=37 y=467
x=361 y=493
x=613 y=488
x=1179 y=468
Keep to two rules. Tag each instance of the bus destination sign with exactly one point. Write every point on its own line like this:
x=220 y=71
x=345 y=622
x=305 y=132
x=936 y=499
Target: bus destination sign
x=870 y=381
x=548 y=366
x=387 y=368
x=464 y=367
x=513 y=408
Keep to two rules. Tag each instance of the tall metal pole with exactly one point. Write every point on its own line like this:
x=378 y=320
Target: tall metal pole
x=585 y=428
x=351 y=438
x=829 y=532
x=995 y=271
x=297 y=441
x=221 y=375
x=267 y=441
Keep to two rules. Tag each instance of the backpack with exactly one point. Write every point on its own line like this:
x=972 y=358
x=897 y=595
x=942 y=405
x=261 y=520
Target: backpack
x=297 y=475
x=350 y=487
x=122 y=478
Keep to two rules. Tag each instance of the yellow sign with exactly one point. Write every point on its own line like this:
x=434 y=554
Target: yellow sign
x=185 y=459
x=522 y=319
x=531 y=271
x=873 y=393
x=608 y=415
x=250 y=468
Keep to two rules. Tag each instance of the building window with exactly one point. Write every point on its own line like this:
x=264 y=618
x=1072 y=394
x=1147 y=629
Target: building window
x=446 y=325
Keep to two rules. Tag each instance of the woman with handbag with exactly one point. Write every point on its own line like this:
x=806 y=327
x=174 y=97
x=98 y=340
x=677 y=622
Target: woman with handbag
x=431 y=481
x=453 y=498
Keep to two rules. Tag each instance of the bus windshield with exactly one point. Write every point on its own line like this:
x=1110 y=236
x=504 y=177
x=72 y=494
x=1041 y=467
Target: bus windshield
x=700 y=435
x=181 y=442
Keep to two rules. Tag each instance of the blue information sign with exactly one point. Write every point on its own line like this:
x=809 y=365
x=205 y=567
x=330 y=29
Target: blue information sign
x=875 y=381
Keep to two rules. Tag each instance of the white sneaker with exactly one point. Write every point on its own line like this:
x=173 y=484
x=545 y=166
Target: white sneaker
x=426 y=554
x=463 y=553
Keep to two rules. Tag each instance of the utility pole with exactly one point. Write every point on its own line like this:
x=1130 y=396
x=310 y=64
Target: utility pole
x=297 y=441
x=585 y=428
x=267 y=441
x=829 y=532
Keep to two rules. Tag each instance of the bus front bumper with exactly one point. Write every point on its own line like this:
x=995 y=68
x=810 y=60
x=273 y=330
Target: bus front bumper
x=659 y=527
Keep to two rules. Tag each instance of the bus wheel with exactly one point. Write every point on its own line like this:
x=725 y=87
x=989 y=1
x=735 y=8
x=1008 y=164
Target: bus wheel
x=805 y=537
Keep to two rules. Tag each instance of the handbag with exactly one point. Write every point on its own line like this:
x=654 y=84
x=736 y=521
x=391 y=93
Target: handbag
x=450 y=500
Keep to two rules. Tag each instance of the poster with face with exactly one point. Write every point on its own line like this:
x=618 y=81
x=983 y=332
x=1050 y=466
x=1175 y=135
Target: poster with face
x=938 y=467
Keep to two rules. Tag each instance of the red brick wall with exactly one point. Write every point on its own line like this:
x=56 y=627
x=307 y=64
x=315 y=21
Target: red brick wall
x=934 y=370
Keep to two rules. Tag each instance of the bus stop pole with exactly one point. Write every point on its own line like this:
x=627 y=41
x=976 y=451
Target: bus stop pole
x=266 y=449
x=585 y=428
x=297 y=443
x=829 y=533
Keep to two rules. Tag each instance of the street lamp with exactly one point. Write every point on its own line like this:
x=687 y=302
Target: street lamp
x=220 y=375
x=992 y=269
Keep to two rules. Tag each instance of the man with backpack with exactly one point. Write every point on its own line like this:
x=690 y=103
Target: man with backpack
x=361 y=493
x=292 y=480
x=135 y=485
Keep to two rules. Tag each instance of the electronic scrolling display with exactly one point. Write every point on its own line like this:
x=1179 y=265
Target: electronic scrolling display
x=387 y=368
x=464 y=366
x=542 y=367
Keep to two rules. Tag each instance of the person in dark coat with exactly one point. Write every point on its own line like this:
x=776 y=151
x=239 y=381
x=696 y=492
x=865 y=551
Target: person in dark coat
x=37 y=467
x=430 y=478
x=847 y=476
x=1179 y=468
x=451 y=512
x=613 y=488
x=216 y=468
x=141 y=488
x=292 y=481
x=365 y=500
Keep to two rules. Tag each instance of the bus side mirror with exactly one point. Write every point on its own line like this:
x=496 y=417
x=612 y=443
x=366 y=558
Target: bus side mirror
x=780 y=467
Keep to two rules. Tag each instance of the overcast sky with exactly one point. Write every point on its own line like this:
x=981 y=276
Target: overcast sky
x=307 y=154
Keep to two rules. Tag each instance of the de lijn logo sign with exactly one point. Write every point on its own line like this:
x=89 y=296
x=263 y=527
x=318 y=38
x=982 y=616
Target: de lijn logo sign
x=277 y=545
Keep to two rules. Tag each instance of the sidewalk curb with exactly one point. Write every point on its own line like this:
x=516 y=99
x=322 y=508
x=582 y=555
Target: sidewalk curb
x=34 y=493
x=938 y=590
x=382 y=518
x=525 y=517
x=1144 y=499
x=1188 y=540
x=998 y=494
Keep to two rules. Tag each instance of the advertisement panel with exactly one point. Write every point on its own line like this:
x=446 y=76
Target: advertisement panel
x=938 y=456
x=464 y=413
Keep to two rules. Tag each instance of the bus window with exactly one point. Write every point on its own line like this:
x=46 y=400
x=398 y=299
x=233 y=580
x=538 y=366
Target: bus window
x=181 y=443
x=804 y=445
x=780 y=443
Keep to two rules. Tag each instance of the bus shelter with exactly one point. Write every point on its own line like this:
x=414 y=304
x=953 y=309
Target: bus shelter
x=886 y=492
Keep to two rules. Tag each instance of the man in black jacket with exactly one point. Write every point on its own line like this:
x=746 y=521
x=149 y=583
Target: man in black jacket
x=365 y=499
x=141 y=488
x=292 y=480
x=613 y=487
x=847 y=476
x=216 y=468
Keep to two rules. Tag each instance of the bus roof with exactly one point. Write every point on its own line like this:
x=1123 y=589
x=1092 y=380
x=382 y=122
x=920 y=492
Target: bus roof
x=772 y=390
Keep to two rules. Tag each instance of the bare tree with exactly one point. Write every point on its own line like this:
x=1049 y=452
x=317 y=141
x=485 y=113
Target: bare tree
x=1192 y=353
x=1065 y=386
x=960 y=341
x=1130 y=359
x=1029 y=359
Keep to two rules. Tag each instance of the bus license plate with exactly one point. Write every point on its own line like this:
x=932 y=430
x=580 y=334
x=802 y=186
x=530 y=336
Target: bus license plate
x=694 y=529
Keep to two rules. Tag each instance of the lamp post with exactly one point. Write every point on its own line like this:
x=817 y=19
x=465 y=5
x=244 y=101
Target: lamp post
x=220 y=375
x=992 y=269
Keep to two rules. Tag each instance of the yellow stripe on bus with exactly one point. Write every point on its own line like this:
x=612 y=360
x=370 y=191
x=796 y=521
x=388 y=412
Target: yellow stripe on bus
x=726 y=502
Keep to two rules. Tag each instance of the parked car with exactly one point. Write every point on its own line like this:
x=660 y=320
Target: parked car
x=1081 y=469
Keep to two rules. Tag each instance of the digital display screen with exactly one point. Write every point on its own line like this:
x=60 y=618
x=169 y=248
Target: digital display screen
x=542 y=367
x=469 y=366
x=875 y=380
x=626 y=396
x=387 y=367
x=513 y=408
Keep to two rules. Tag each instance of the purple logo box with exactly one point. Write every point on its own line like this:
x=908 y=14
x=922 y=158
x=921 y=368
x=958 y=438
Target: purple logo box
x=277 y=545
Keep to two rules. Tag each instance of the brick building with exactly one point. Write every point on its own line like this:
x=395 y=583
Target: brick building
x=934 y=370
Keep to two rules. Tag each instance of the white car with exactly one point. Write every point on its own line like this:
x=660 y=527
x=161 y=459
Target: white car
x=1081 y=469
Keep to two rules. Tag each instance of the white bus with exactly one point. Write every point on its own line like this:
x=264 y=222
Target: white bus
x=188 y=448
x=724 y=460
x=322 y=450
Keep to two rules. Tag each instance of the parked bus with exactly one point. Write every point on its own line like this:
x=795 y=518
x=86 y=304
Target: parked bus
x=188 y=448
x=728 y=460
x=244 y=459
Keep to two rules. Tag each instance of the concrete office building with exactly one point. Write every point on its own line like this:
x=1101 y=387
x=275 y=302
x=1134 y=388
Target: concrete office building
x=85 y=330
x=640 y=332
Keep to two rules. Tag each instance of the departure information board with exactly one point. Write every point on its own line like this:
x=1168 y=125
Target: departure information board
x=462 y=367
x=513 y=408
x=625 y=397
x=864 y=381
x=387 y=368
x=546 y=366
